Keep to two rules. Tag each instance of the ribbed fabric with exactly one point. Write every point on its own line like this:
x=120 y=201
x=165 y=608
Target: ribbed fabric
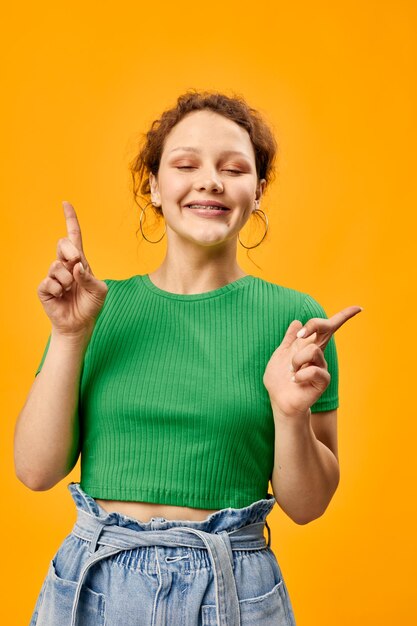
x=172 y=406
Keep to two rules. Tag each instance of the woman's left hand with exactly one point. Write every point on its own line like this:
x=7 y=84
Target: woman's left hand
x=303 y=359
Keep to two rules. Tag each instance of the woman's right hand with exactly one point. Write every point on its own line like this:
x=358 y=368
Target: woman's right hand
x=72 y=299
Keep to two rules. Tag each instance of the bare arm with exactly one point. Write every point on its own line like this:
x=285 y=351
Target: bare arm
x=306 y=472
x=306 y=469
x=46 y=438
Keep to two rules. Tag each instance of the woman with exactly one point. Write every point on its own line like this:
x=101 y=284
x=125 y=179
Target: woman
x=186 y=391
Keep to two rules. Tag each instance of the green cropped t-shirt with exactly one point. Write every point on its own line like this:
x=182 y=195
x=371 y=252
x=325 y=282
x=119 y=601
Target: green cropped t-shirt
x=172 y=407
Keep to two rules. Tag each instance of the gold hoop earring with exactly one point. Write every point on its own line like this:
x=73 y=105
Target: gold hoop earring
x=140 y=224
x=265 y=218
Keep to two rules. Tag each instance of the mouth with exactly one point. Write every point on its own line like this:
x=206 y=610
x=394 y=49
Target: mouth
x=200 y=210
x=215 y=206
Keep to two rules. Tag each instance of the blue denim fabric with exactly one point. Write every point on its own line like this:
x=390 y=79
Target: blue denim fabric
x=113 y=570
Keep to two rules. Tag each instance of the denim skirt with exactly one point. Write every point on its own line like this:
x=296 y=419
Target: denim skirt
x=113 y=570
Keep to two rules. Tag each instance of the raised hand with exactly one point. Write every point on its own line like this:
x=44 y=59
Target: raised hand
x=296 y=374
x=72 y=298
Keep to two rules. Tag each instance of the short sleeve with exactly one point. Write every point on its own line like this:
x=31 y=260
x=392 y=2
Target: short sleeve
x=329 y=399
x=43 y=356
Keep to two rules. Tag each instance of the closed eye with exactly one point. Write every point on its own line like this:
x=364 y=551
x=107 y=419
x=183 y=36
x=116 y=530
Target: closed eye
x=190 y=167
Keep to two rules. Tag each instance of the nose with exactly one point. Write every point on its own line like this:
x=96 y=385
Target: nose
x=209 y=181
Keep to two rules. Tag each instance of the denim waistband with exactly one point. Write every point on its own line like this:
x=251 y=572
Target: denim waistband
x=220 y=533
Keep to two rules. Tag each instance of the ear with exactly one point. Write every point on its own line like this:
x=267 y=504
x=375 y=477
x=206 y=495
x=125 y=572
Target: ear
x=260 y=189
x=153 y=183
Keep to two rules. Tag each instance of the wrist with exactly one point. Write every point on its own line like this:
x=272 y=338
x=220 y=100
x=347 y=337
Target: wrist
x=77 y=339
x=293 y=416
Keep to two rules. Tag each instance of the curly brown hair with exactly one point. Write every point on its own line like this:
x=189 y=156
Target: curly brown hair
x=234 y=108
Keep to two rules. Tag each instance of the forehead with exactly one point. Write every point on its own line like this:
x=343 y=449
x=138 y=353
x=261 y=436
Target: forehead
x=206 y=130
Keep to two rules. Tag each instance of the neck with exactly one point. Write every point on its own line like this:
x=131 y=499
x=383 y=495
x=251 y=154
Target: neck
x=189 y=272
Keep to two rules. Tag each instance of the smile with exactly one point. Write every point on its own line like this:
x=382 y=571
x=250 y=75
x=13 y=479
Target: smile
x=206 y=211
x=211 y=207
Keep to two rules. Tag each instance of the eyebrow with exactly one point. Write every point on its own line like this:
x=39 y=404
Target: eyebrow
x=191 y=149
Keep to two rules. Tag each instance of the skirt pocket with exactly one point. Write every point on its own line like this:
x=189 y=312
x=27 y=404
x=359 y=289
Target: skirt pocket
x=266 y=610
x=58 y=599
x=263 y=595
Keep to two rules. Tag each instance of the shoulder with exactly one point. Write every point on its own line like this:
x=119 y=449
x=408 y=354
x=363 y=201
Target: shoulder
x=279 y=292
x=119 y=291
x=301 y=304
x=278 y=289
x=121 y=284
x=120 y=281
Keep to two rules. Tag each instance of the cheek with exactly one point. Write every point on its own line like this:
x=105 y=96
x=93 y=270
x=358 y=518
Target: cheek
x=246 y=196
x=172 y=186
x=245 y=189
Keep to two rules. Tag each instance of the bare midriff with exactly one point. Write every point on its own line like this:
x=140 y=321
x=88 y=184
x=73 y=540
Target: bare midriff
x=144 y=511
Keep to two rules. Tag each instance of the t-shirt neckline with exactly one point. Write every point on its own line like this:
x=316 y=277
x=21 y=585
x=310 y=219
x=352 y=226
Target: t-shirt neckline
x=239 y=282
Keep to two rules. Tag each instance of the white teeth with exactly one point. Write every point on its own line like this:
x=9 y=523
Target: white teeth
x=203 y=206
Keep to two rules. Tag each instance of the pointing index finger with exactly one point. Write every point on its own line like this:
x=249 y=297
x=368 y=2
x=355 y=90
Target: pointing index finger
x=73 y=226
x=338 y=319
x=324 y=328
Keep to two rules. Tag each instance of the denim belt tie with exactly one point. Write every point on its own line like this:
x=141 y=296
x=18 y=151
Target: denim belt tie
x=114 y=539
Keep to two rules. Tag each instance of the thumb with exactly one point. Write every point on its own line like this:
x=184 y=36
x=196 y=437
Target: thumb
x=85 y=278
x=82 y=273
x=291 y=334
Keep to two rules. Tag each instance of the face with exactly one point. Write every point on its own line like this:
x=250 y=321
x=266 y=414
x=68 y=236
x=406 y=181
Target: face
x=207 y=157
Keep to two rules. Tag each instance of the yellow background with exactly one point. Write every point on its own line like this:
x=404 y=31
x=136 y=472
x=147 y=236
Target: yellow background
x=337 y=82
